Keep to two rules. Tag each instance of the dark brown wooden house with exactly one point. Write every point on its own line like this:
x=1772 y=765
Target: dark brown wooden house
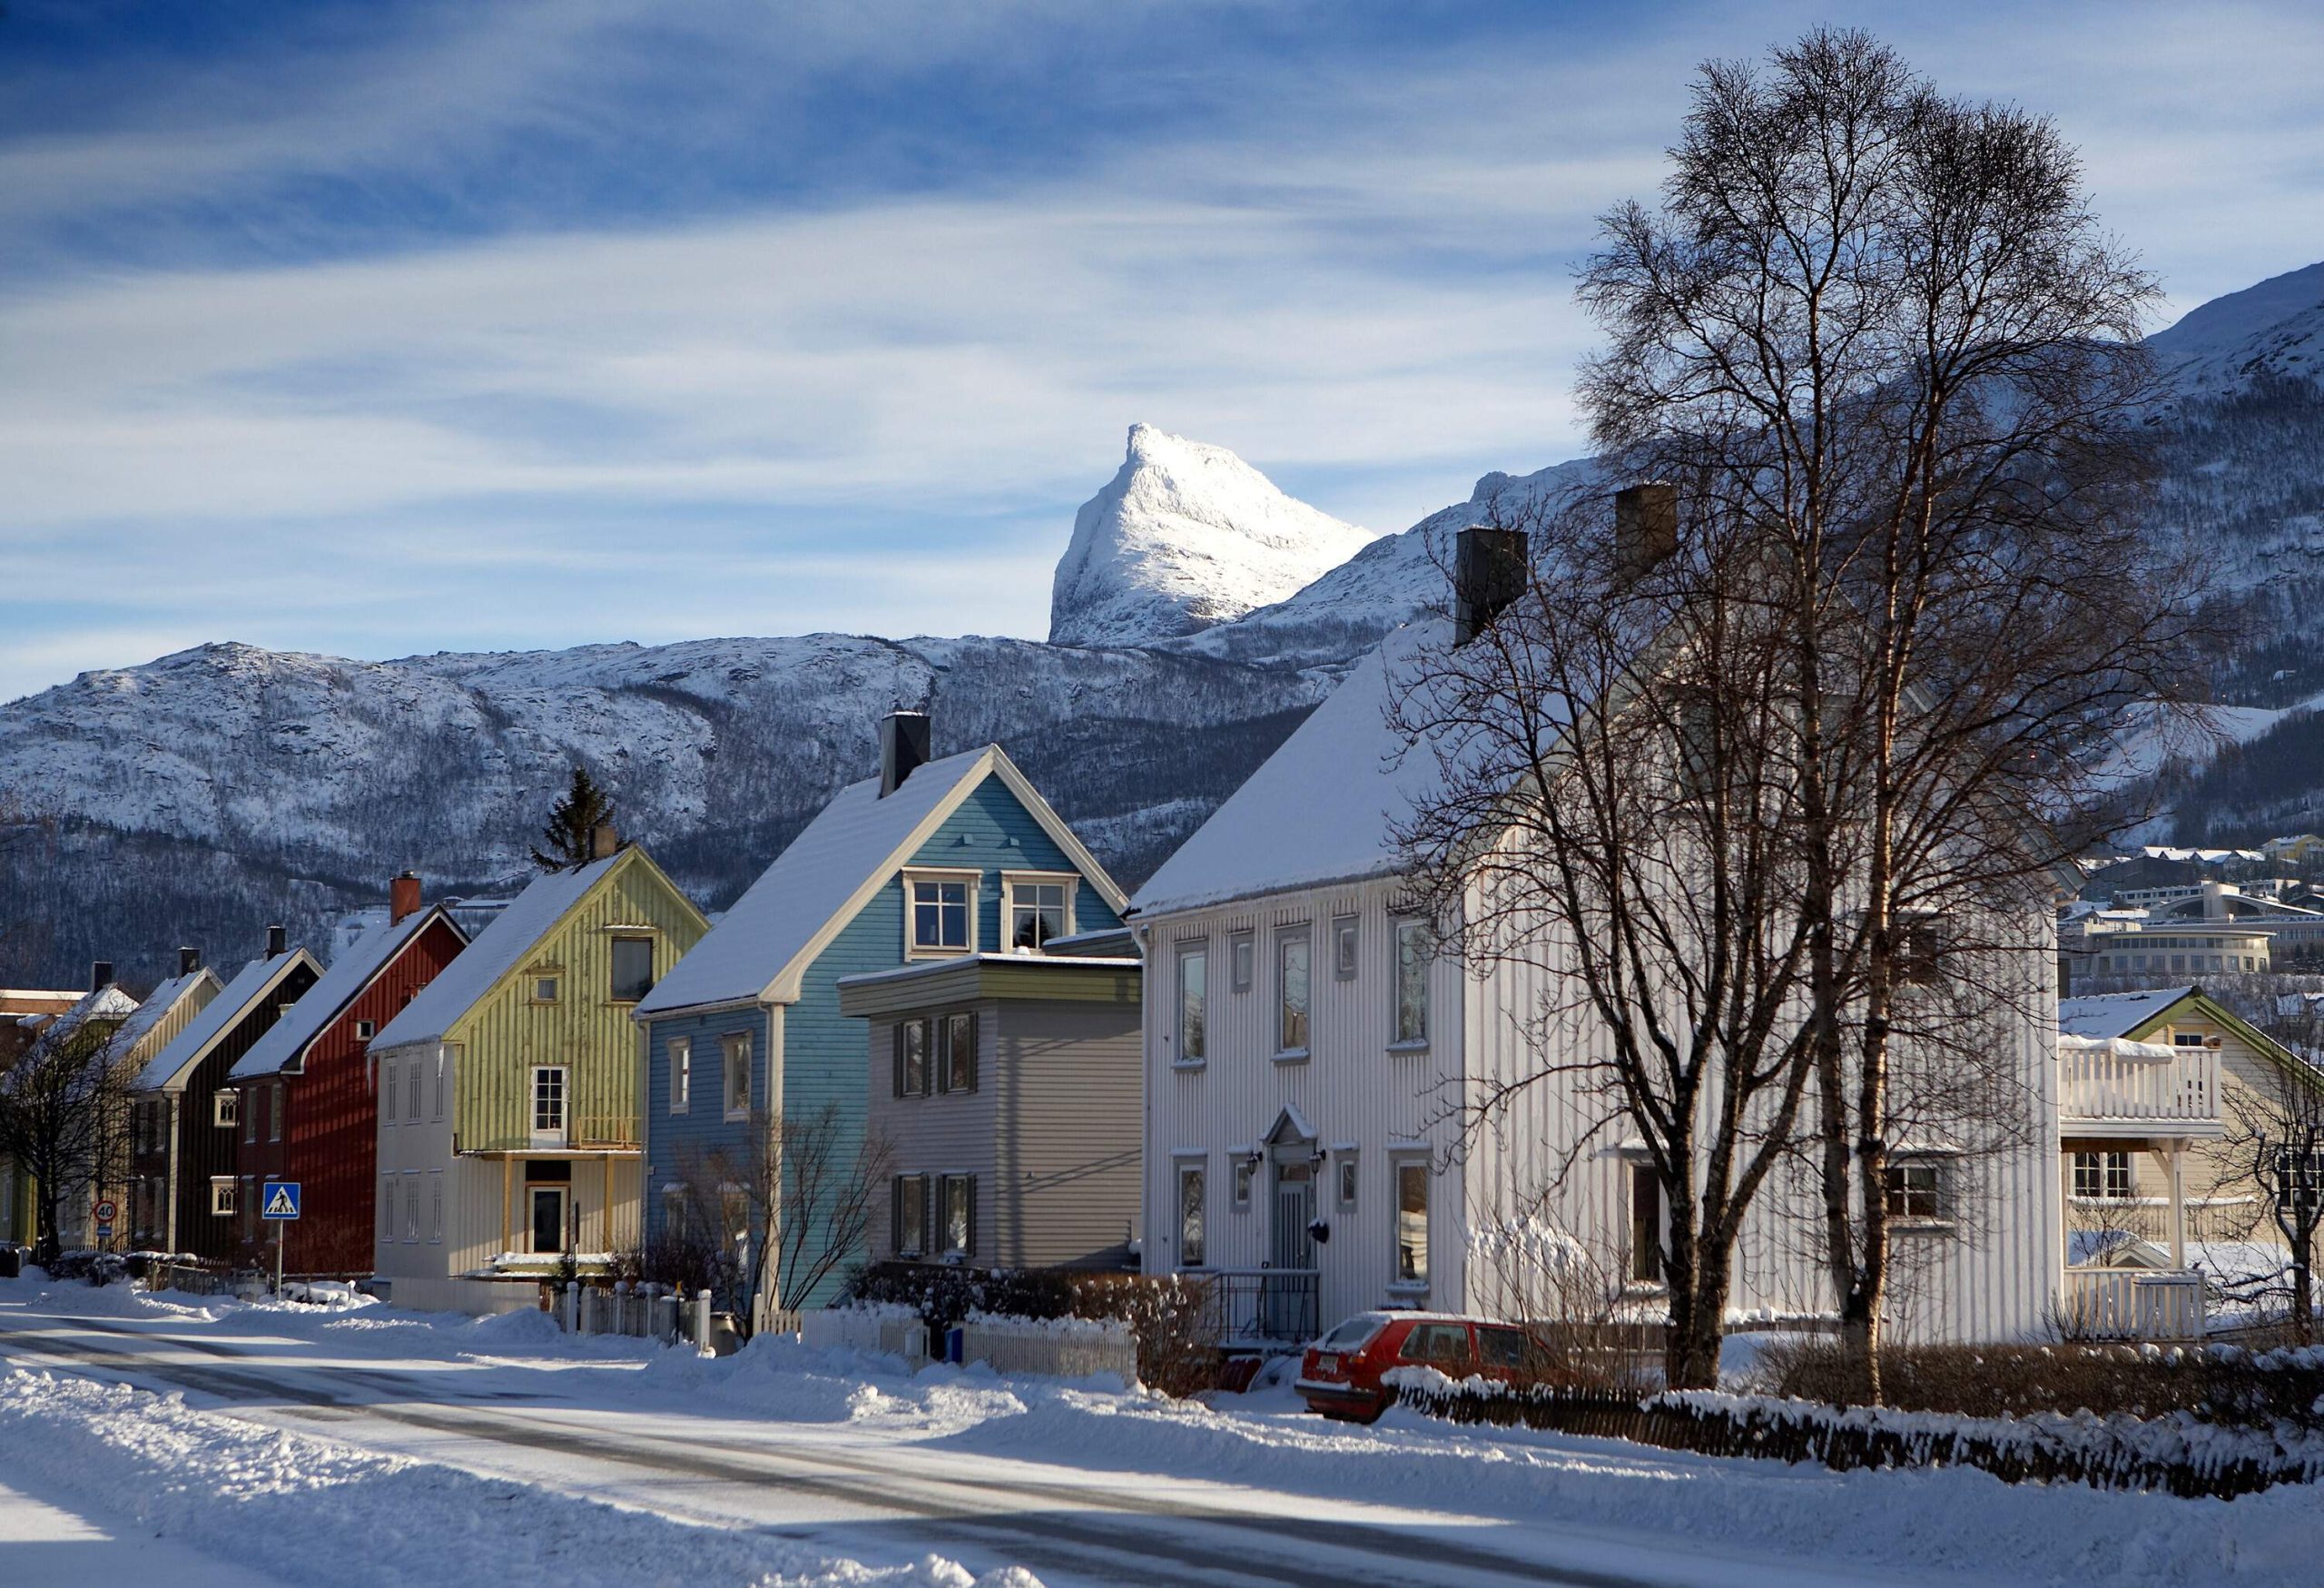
x=195 y=1151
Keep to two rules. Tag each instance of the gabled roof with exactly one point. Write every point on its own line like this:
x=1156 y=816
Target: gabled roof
x=498 y=949
x=157 y=1005
x=762 y=947
x=1323 y=808
x=2115 y=1014
x=250 y=987
x=357 y=966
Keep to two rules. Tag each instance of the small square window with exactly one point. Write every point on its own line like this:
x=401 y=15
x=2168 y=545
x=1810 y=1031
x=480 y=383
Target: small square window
x=1919 y=1189
x=545 y=988
x=1344 y=949
x=1038 y=911
x=366 y=1030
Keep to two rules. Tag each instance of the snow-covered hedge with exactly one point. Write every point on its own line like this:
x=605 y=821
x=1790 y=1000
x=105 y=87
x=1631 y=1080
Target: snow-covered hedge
x=2180 y=1454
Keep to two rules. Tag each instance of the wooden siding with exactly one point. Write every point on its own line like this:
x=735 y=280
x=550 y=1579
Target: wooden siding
x=507 y=1036
x=813 y=1056
x=1350 y=1089
x=331 y=1137
x=1069 y=1133
x=200 y=1149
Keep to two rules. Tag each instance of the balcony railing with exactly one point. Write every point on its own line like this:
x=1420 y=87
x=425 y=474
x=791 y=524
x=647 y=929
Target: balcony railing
x=1264 y=1308
x=2127 y=1088
x=2131 y=1303
x=582 y=1133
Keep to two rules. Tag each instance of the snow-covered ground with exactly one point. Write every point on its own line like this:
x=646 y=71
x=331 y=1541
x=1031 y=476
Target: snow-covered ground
x=409 y=1449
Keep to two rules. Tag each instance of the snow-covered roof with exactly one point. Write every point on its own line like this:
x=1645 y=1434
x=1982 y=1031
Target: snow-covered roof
x=1322 y=809
x=157 y=1005
x=853 y=846
x=252 y=984
x=348 y=976
x=496 y=951
x=2114 y=1014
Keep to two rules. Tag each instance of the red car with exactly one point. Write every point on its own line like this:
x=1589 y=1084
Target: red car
x=1340 y=1375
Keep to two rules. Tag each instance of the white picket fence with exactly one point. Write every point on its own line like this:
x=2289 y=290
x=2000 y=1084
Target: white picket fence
x=1063 y=1349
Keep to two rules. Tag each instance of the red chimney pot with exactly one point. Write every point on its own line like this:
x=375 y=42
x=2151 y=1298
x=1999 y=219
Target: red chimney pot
x=403 y=896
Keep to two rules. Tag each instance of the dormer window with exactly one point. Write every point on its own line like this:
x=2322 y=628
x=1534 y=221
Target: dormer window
x=1039 y=908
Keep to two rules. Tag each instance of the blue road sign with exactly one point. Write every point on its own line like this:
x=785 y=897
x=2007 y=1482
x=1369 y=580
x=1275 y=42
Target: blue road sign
x=280 y=1199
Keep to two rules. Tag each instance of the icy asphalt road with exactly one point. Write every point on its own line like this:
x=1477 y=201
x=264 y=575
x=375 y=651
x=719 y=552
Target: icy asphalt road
x=829 y=1486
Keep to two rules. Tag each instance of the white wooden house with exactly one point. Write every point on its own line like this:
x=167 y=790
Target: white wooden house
x=1307 y=1057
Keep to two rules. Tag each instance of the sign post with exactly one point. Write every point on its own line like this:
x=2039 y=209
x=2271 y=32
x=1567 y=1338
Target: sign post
x=278 y=1203
x=105 y=1212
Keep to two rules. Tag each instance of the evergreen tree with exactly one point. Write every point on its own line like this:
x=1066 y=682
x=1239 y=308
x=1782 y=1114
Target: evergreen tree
x=584 y=808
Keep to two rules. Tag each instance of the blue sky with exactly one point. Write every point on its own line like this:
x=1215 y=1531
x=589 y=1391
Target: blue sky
x=382 y=328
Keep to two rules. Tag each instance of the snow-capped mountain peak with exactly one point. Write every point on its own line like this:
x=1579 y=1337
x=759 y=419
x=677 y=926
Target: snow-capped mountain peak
x=2274 y=328
x=1187 y=535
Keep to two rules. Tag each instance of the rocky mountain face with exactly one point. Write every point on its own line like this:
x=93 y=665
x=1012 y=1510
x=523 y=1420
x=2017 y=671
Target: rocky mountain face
x=1185 y=537
x=1199 y=613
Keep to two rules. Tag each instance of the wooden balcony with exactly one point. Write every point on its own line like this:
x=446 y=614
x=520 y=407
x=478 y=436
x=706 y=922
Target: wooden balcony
x=2131 y=1303
x=582 y=1133
x=2125 y=1092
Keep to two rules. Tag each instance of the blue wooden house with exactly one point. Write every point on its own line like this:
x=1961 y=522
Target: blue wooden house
x=930 y=860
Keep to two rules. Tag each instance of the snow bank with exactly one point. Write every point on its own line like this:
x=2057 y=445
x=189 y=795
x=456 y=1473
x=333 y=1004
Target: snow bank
x=281 y=1503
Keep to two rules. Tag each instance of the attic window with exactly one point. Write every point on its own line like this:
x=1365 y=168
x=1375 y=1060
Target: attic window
x=365 y=1030
x=545 y=988
x=632 y=969
x=941 y=913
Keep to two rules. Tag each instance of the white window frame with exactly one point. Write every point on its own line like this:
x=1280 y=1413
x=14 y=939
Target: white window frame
x=681 y=1051
x=734 y=1054
x=1193 y=1055
x=436 y=1207
x=1247 y=1171
x=559 y=1134
x=1347 y=947
x=1302 y=935
x=388 y=1076
x=1401 y=1165
x=1181 y=1166
x=1347 y=1178
x=1941 y=1190
x=417 y=1080
x=1399 y=929
x=365 y=1030
x=1011 y=881
x=2100 y=1182
x=225 y=1189
x=226 y=1108
x=443 y=1079
x=1242 y=960
x=915 y=876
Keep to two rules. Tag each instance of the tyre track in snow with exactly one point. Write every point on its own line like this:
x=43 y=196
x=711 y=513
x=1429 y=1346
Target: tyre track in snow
x=1100 y=1534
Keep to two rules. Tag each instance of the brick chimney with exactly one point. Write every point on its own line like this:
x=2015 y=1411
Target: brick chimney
x=1488 y=574
x=604 y=842
x=189 y=961
x=1645 y=530
x=278 y=943
x=100 y=975
x=903 y=748
x=403 y=896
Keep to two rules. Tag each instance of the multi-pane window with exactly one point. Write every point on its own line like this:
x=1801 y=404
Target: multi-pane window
x=910 y=1210
x=548 y=1099
x=939 y=914
x=1412 y=1221
x=1413 y=948
x=958 y=1069
x=632 y=969
x=1917 y=1189
x=2102 y=1175
x=221 y=1196
x=1241 y=953
x=1294 y=994
x=738 y=1075
x=1919 y=951
x=1193 y=994
x=1344 y=947
x=681 y=1074
x=958 y=1195
x=225 y=1110
x=1646 y=1225
x=911 y=1058
x=1191 y=1246
x=1038 y=911
x=414 y=1083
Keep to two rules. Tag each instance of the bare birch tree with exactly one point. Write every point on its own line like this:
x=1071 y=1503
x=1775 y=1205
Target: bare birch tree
x=1882 y=330
x=2275 y=1145
x=795 y=1207
x=65 y=1118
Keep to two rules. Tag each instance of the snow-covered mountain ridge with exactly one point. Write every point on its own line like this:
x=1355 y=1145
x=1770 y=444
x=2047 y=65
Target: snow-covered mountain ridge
x=1187 y=535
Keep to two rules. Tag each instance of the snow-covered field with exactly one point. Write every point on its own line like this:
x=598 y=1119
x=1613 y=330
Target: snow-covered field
x=401 y=1449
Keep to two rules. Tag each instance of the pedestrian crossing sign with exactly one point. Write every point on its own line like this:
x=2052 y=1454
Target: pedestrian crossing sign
x=281 y=1199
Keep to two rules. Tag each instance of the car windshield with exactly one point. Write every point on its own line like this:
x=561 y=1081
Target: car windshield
x=1354 y=1333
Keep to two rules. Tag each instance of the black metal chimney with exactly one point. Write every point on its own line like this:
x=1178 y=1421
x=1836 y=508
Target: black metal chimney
x=100 y=975
x=1488 y=574
x=1646 y=528
x=189 y=961
x=278 y=943
x=903 y=748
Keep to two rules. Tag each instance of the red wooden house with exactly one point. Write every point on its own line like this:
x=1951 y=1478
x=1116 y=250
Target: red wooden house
x=317 y=1113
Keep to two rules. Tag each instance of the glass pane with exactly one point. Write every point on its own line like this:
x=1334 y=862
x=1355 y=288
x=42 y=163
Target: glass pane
x=632 y=969
x=1293 y=971
x=1190 y=1227
x=1412 y=981
x=1412 y=1221
x=1194 y=977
